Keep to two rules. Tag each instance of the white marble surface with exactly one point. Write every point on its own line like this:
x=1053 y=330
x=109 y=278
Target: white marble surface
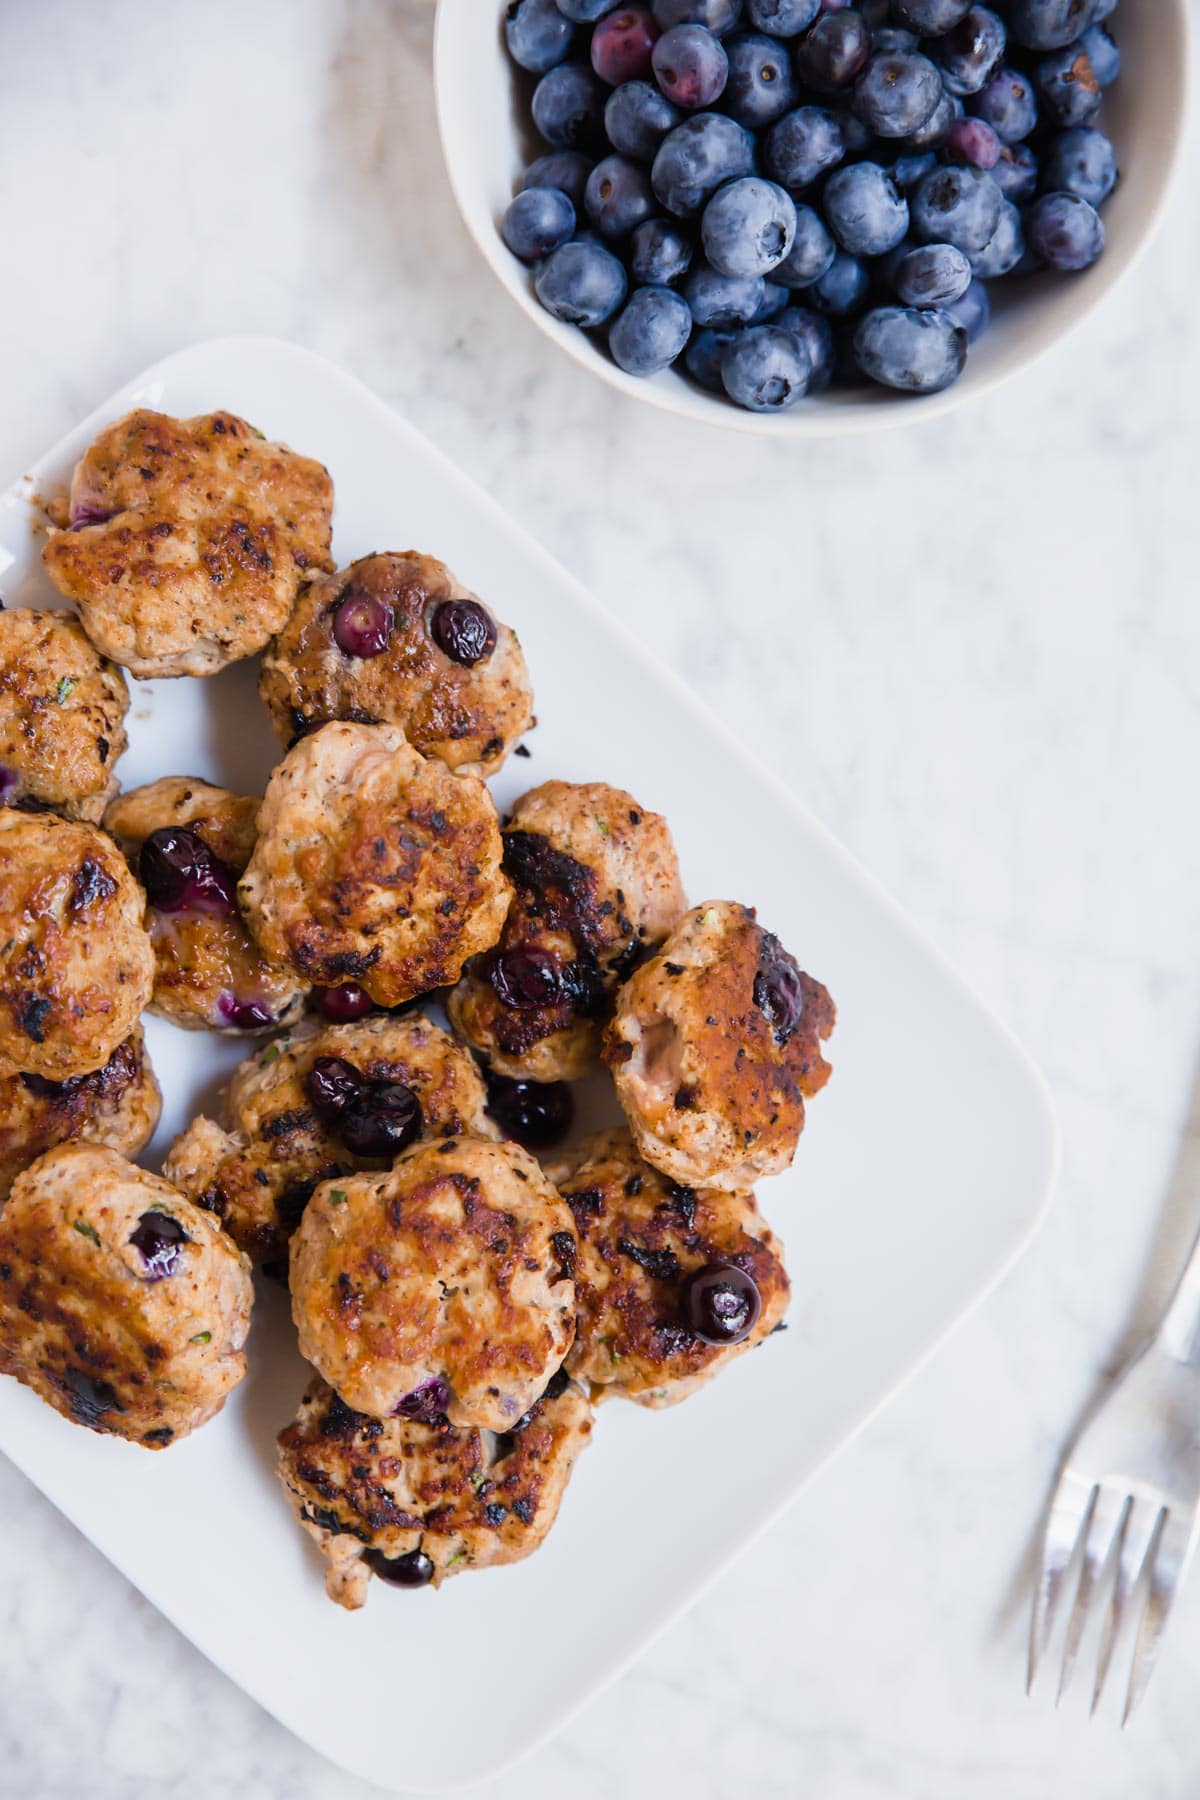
x=973 y=648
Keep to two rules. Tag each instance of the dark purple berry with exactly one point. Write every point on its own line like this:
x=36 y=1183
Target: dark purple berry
x=834 y=52
x=426 y=1405
x=159 y=1239
x=527 y=978
x=412 y=1571
x=382 y=1119
x=86 y=514
x=332 y=1084
x=722 y=1303
x=244 y=1015
x=362 y=625
x=180 y=874
x=341 y=1005
x=535 y=1113
x=463 y=631
x=622 y=45
x=90 y=1398
x=778 y=993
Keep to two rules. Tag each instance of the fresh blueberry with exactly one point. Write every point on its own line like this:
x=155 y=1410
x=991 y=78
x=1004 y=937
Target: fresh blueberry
x=381 y=1119
x=181 y=874
x=1067 y=86
x=973 y=143
x=722 y=1304
x=622 y=44
x=866 y=211
x=463 y=630
x=638 y=118
x=782 y=18
x=695 y=158
x=1052 y=24
x=834 y=52
x=895 y=95
x=581 y=283
x=842 y=289
x=1065 y=231
x=651 y=331
x=969 y=55
x=775 y=298
x=748 y=227
x=537 y=34
x=342 y=1004
x=526 y=978
x=413 y=1570
x=331 y=1084
x=1004 y=249
x=717 y=16
x=933 y=132
x=704 y=356
x=813 y=250
x=766 y=369
x=159 y=1241
x=894 y=40
x=973 y=311
x=690 y=66
x=721 y=300
x=566 y=170
x=1103 y=54
x=761 y=86
x=660 y=251
x=1009 y=105
x=536 y=1113
x=802 y=146
x=920 y=352
x=931 y=17
x=816 y=335
x=956 y=206
x=426 y=1405
x=1083 y=162
x=537 y=222
x=931 y=275
x=568 y=107
x=618 y=196
x=908 y=172
x=1016 y=173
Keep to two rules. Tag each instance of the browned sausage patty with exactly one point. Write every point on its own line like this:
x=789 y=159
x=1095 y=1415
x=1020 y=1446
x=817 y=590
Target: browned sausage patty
x=117 y=1105
x=62 y=715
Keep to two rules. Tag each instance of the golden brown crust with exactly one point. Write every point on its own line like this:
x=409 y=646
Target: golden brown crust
x=640 y=1237
x=117 y=1105
x=210 y=974
x=62 y=715
x=203 y=533
x=374 y=865
x=368 y=1489
x=258 y=1175
x=595 y=886
x=712 y=1094
x=83 y=1320
x=76 y=965
x=468 y=717
x=454 y=1266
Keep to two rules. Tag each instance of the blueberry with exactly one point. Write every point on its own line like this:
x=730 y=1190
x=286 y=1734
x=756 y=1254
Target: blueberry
x=618 y=196
x=1009 y=105
x=426 y=1405
x=464 y=631
x=537 y=34
x=717 y=16
x=181 y=874
x=956 y=206
x=802 y=146
x=973 y=311
x=934 y=131
x=893 y=40
x=722 y=1303
x=637 y=118
x=973 y=143
x=969 y=55
x=842 y=289
x=581 y=283
x=866 y=211
x=1065 y=231
x=1067 y=86
x=381 y=1119
x=782 y=18
x=342 y=1004
x=931 y=17
x=651 y=331
x=566 y=170
x=85 y=514
x=690 y=66
x=1052 y=24
x=1081 y=161
x=704 y=356
x=585 y=12
x=526 y=978
x=748 y=227
x=775 y=298
x=536 y=222
x=244 y=1014
x=1005 y=248
x=813 y=250
x=1016 y=173
x=766 y=369
x=536 y=1114
x=159 y=1241
x=622 y=44
x=834 y=52
x=331 y=1084
x=920 y=352
x=414 y=1570
x=721 y=300
x=1103 y=55
x=761 y=86
x=568 y=107
x=695 y=158
x=908 y=172
x=932 y=275
x=362 y=623
x=896 y=94
x=660 y=252
x=778 y=991
x=816 y=335
x=90 y=1398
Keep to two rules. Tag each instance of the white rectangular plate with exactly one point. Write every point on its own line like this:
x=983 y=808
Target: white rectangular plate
x=922 y=1173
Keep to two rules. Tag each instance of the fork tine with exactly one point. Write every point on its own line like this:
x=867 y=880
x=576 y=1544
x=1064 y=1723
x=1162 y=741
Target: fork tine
x=1138 y=1530
x=1110 y=1510
x=1171 y=1555
x=1070 y=1516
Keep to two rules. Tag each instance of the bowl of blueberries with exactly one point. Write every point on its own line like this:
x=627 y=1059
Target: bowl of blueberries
x=803 y=216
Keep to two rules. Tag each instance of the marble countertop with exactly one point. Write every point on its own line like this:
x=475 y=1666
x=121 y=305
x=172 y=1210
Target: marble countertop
x=973 y=648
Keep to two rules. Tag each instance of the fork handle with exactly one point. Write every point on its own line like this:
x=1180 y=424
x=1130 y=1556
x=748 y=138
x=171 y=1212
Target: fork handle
x=1179 y=1333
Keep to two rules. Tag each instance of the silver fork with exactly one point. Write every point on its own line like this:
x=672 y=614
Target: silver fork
x=1128 y=1502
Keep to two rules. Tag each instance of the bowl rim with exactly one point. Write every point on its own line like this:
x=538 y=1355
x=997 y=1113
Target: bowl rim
x=861 y=411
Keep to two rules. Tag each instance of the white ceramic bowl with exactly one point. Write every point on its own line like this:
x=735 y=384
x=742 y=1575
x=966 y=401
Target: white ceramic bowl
x=487 y=142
